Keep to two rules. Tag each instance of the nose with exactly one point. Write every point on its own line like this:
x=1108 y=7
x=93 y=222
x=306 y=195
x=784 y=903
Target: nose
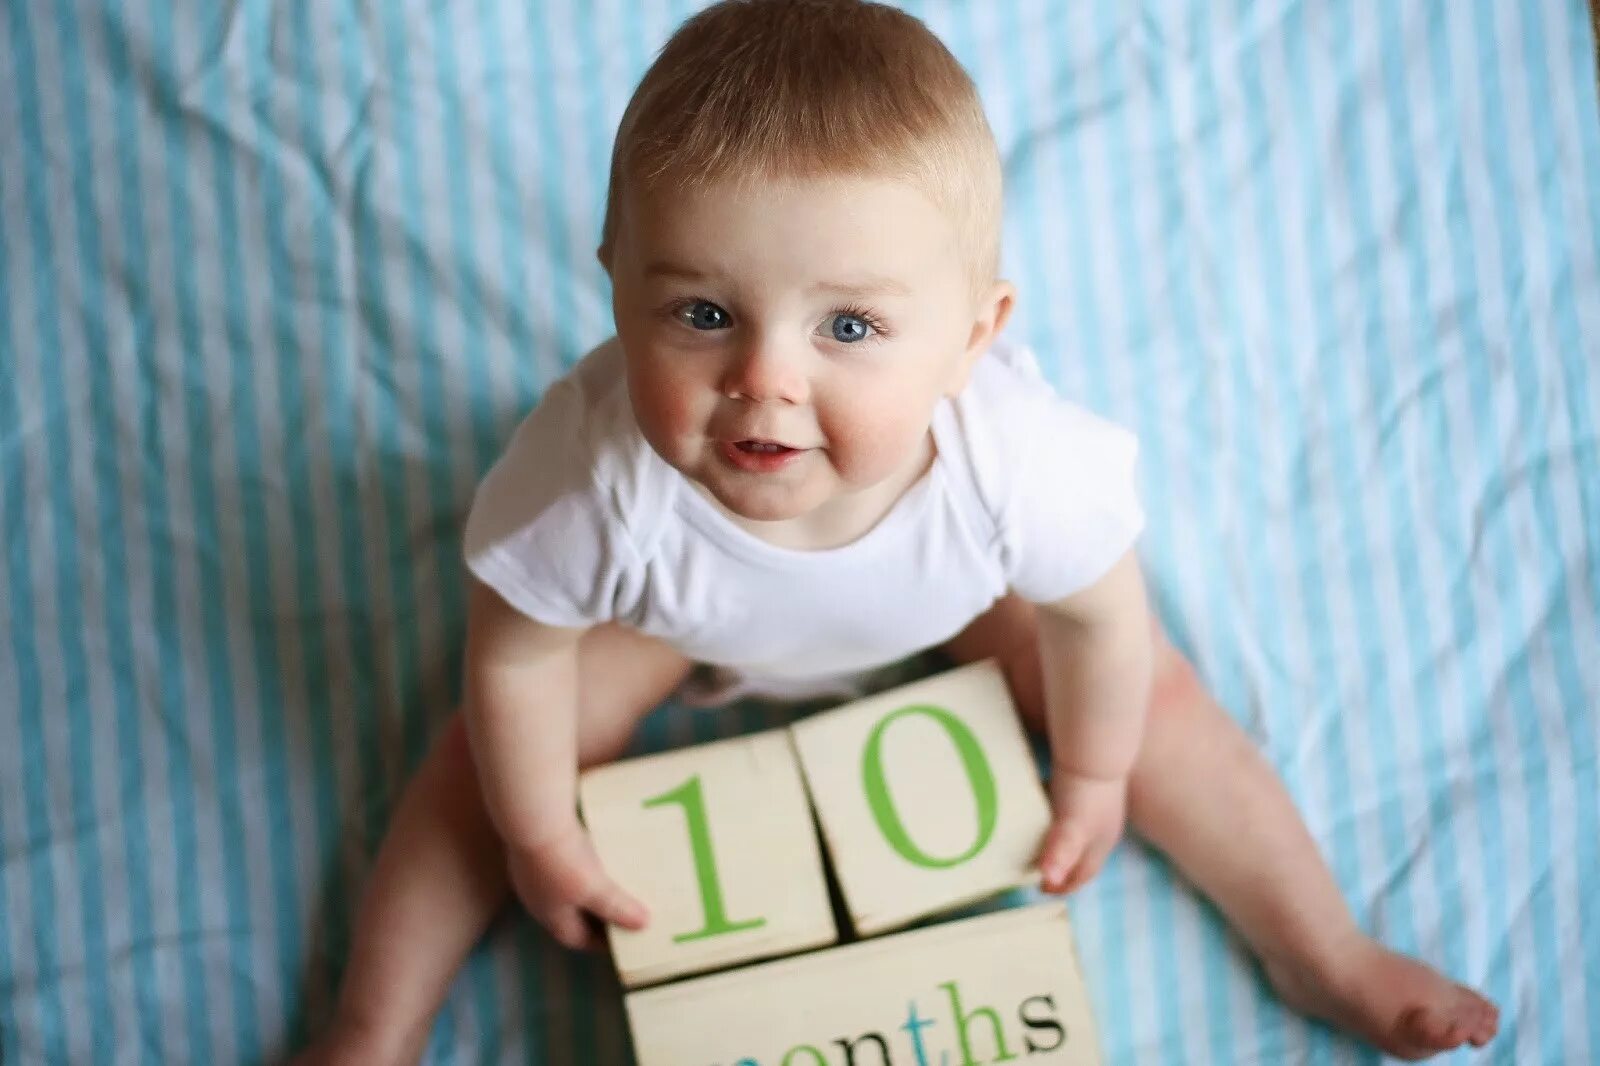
x=763 y=371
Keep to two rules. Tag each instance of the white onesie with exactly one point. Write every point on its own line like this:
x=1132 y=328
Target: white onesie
x=580 y=522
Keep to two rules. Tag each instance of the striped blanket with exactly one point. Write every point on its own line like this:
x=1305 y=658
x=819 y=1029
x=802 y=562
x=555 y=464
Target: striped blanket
x=277 y=280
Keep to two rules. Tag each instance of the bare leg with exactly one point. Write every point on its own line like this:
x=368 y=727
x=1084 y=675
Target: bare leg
x=1203 y=794
x=440 y=875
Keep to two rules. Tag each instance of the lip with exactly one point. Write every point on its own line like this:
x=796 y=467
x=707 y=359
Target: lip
x=755 y=462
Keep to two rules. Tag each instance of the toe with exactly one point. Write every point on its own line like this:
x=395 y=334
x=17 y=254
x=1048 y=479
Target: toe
x=1432 y=1031
x=1418 y=1026
x=1486 y=1024
x=1412 y=1036
x=1482 y=1019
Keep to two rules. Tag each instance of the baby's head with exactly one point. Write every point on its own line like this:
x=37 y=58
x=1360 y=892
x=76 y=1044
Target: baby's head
x=802 y=234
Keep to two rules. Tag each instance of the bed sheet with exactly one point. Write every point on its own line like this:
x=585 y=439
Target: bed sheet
x=278 y=279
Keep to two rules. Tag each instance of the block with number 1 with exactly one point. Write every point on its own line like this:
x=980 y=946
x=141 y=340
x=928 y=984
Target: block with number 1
x=718 y=842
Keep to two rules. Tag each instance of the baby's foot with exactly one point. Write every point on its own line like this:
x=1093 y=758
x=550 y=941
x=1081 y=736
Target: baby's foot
x=1397 y=1003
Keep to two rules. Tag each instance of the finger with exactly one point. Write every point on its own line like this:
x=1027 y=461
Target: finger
x=594 y=933
x=1058 y=863
x=566 y=923
x=573 y=874
x=598 y=943
x=1086 y=870
x=577 y=877
x=1059 y=834
x=610 y=903
x=528 y=897
x=1059 y=855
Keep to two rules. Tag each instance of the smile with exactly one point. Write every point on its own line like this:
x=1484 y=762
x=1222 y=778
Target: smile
x=757 y=457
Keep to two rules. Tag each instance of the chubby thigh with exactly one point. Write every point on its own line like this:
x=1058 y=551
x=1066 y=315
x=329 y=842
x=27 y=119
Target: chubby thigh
x=622 y=675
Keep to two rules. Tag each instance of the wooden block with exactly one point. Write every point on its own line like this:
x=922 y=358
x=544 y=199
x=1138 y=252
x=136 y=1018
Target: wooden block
x=993 y=988
x=718 y=841
x=927 y=794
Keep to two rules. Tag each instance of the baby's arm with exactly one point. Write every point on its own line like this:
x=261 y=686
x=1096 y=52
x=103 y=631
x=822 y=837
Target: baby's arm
x=1095 y=651
x=521 y=709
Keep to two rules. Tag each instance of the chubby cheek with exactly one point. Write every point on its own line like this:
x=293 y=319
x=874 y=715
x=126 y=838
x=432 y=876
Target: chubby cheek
x=870 y=438
x=670 y=413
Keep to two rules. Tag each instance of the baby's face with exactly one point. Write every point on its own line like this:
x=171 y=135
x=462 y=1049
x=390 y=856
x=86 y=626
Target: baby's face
x=825 y=316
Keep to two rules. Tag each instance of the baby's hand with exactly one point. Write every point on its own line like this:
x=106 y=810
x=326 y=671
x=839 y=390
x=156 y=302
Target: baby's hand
x=1088 y=817
x=561 y=882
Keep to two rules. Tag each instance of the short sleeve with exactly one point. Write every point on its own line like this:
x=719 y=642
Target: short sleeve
x=542 y=531
x=1071 y=507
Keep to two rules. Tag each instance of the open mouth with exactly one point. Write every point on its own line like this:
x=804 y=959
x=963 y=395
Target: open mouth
x=760 y=456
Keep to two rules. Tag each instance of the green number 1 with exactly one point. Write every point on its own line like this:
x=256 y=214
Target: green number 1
x=705 y=864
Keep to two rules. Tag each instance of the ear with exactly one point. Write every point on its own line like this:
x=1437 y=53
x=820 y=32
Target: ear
x=993 y=310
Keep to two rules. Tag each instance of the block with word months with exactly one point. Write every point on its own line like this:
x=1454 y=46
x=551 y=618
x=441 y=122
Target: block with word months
x=994 y=988
x=717 y=840
x=927 y=794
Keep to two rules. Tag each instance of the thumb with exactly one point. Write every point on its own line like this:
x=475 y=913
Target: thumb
x=611 y=903
x=1060 y=852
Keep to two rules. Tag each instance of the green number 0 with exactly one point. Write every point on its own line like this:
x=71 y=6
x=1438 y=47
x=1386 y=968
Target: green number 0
x=705 y=864
x=978 y=775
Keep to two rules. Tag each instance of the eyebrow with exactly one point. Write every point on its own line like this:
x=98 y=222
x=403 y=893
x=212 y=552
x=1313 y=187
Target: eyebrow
x=858 y=287
x=662 y=267
x=864 y=287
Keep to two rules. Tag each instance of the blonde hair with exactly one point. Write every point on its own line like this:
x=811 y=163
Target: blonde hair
x=764 y=89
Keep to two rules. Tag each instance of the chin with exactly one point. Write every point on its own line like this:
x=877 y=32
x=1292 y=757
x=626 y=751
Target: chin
x=755 y=508
x=764 y=503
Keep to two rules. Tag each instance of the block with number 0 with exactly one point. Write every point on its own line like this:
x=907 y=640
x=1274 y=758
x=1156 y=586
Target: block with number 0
x=927 y=794
x=718 y=841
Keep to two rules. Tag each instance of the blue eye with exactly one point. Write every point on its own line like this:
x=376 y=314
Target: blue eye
x=705 y=315
x=848 y=329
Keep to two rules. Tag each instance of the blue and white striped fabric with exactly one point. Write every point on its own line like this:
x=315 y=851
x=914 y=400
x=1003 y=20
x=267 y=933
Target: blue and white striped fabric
x=278 y=279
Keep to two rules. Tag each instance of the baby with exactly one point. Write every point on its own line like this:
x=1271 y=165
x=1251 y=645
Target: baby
x=809 y=453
